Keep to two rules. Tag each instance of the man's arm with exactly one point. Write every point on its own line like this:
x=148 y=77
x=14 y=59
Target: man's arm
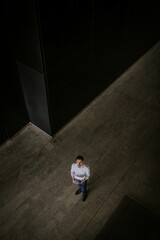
x=72 y=171
x=87 y=174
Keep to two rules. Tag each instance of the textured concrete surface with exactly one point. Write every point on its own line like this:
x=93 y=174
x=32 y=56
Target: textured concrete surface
x=119 y=136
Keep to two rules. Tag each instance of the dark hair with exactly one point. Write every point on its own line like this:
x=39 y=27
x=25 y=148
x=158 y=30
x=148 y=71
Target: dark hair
x=80 y=158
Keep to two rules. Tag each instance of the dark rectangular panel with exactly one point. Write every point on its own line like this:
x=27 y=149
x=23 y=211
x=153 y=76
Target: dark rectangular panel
x=13 y=109
x=34 y=89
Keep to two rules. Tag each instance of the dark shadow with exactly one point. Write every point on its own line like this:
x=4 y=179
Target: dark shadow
x=131 y=221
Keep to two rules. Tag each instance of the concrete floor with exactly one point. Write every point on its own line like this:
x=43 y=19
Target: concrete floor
x=119 y=136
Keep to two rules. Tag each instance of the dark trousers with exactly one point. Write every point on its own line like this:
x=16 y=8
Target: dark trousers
x=83 y=187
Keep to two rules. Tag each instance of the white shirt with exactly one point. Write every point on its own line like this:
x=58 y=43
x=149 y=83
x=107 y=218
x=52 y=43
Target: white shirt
x=80 y=173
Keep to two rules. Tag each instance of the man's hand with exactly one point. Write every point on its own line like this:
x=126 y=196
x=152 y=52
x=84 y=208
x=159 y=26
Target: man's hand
x=83 y=180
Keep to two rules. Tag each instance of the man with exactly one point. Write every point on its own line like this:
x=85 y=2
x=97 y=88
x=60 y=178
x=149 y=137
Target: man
x=80 y=173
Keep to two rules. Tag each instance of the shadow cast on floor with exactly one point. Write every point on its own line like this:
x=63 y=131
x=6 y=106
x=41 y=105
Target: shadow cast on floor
x=131 y=221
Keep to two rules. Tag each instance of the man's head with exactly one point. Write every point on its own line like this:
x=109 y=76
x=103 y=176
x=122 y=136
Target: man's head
x=79 y=161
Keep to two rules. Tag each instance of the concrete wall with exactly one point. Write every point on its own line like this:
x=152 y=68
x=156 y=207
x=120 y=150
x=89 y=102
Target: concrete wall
x=87 y=45
x=68 y=52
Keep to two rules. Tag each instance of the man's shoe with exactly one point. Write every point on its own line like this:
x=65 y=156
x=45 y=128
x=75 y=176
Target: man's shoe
x=78 y=191
x=84 y=198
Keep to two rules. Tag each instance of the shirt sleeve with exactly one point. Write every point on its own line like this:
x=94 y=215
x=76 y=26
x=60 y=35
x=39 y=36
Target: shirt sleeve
x=72 y=170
